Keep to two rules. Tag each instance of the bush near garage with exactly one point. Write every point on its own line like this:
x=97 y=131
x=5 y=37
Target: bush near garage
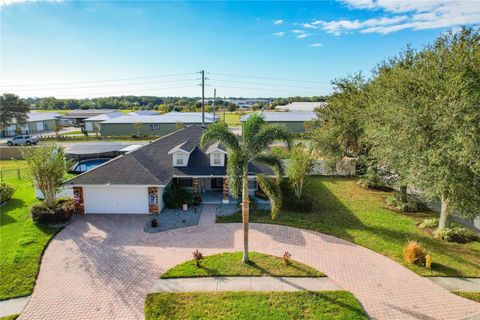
x=176 y=196
x=62 y=212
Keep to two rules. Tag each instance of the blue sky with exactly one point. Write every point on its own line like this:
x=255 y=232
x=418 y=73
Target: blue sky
x=74 y=49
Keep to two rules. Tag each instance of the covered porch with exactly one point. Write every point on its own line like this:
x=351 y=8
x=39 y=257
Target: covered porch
x=213 y=189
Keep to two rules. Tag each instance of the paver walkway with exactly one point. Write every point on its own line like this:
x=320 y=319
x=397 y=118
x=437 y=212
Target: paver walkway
x=208 y=215
x=245 y=284
x=101 y=267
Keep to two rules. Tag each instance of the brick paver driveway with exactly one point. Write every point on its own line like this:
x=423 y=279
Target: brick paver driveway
x=101 y=267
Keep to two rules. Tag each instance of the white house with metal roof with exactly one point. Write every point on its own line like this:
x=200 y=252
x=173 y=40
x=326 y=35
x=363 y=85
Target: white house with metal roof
x=295 y=121
x=301 y=106
x=37 y=122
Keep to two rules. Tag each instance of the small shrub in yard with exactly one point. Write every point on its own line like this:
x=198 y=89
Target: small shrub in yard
x=154 y=223
x=415 y=253
x=431 y=223
x=456 y=234
x=197 y=256
x=176 y=196
x=6 y=192
x=286 y=258
x=42 y=214
x=412 y=204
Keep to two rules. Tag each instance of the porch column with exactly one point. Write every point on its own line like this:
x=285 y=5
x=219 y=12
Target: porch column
x=196 y=187
x=79 y=207
x=226 y=199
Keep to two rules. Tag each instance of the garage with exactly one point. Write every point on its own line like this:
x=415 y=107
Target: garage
x=116 y=199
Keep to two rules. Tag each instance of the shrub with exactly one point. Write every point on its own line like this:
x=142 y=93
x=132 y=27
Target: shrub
x=291 y=203
x=415 y=253
x=456 y=234
x=431 y=223
x=412 y=204
x=286 y=258
x=42 y=214
x=176 y=196
x=154 y=223
x=197 y=256
x=6 y=192
x=64 y=210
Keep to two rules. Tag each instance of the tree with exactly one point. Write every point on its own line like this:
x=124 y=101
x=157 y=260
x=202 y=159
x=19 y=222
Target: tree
x=47 y=166
x=253 y=147
x=339 y=126
x=301 y=162
x=429 y=102
x=12 y=110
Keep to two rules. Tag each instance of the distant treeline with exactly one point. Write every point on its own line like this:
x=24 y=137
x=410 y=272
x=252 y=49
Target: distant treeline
x=149 y=102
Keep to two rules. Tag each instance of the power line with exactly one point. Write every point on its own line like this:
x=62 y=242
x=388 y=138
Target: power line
x=266 y=84
x=261 y=89
x=132 y=91
x=108 y=85
x=267 y=78
x=97 y=81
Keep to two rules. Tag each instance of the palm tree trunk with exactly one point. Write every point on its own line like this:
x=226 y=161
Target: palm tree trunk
x=245 y=215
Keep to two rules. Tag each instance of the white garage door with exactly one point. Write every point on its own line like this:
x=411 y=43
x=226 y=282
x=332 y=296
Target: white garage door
x=39 y=126
x=111 y=199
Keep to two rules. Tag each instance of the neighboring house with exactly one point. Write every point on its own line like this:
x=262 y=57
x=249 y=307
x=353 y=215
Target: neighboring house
x=295 y=121
x=143 y=113
x=135 y=182
x=37 y=122
x=301 y=106
x=93 y=123
x=78 y=116
x=158 y=125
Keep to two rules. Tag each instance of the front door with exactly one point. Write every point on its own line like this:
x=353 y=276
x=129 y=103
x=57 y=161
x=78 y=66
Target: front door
x=217 y=183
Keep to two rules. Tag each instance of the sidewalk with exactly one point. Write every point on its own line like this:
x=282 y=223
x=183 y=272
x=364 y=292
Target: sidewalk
x=245 y=284
x=13 y=306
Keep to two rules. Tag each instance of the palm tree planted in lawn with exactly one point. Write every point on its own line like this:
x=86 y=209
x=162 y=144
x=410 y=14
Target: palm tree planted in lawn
x=252 y=146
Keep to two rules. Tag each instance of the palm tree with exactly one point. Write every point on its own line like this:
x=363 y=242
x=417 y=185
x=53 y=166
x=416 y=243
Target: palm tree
x=253 y=146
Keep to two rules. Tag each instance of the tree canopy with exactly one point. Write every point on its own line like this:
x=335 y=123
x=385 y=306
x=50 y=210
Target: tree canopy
x=12 y=110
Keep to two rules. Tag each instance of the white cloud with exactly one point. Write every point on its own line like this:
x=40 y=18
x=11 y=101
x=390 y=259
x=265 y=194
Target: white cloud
x=298 y=31
x=309 y=26
x=396 y=15
x=303 y=35
x=279 y=34
x=278 y=22
x=316 y=45
x=10 y=2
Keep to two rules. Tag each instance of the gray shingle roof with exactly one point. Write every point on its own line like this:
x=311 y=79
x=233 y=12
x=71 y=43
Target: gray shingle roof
x=152 y=165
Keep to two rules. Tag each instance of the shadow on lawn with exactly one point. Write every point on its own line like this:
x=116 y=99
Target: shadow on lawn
x=12 y=204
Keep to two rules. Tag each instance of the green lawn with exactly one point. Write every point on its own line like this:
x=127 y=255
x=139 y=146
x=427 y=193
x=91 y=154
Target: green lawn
x=253 y=305
x=348 y=211
x=10 y=317
x=22 y=242
x=230 y=264
x=475 y=296
x=233 y=119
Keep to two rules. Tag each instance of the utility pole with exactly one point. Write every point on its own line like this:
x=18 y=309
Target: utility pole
x=214 y=98
x=224 y=108
x=203 y=98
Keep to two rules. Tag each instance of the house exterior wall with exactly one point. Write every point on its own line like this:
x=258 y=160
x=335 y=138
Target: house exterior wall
x=294 y=126
x=127 y=129
x=41 y=126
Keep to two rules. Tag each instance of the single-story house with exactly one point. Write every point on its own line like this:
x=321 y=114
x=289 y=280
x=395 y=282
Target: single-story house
x=295 y=121
x=143 y=113
x=158 y=125
x=301 y=106
x=92 y=124
x=78 y=116
x=134 y=183
x=36 y=123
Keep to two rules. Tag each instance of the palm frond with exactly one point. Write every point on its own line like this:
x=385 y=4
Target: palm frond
x=271 y=133
x=235 y=164
x=272 y=191
x=218 y=132
x=252 y=125
x=272 y=161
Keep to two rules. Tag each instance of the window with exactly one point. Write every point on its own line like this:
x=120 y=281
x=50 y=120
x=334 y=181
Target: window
x=180 y=160
x=216 y=158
